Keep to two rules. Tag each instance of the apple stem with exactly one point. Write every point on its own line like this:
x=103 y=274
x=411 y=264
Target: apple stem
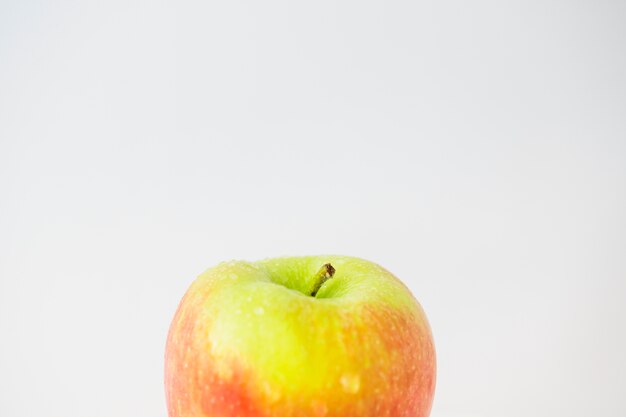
x=324 y=274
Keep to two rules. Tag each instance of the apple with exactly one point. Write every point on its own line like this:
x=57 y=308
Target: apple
x=316 y=336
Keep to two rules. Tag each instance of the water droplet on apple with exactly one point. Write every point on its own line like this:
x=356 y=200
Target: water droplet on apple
x=259 y=311
x=272 y=394
x=351 y=383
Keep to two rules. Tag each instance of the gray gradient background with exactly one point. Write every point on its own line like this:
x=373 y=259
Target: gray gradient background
x=477 y=149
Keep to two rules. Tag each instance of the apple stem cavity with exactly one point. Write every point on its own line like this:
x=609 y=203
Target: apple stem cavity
x=324 y=274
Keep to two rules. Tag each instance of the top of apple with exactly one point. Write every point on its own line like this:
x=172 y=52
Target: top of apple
x=323 y=278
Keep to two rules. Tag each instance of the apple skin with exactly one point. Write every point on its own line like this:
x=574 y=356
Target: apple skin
x=248 y=340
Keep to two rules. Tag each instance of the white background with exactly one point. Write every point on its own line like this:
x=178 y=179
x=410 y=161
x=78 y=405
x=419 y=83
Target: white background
x=477 y=149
